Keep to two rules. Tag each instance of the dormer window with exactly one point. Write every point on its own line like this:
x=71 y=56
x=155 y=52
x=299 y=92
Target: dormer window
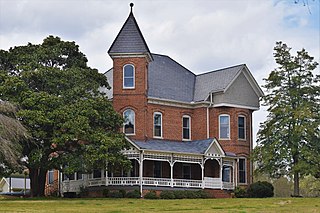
x=128 y=76
x=129 y=120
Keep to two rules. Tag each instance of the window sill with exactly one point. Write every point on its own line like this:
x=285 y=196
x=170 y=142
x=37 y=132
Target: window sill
x=224 y=139
x=157 y=137
x=130 y=88
x=186 y=140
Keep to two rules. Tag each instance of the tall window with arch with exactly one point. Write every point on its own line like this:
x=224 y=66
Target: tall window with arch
x=157 y=124
x=224 y=126
x=129 y=122
x=186 y=127
x=128 y=76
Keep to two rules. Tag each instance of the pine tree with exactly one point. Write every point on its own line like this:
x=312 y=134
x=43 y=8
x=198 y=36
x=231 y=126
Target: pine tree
x=288 y=141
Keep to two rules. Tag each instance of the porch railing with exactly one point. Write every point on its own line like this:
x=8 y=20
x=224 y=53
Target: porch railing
x=208 y=183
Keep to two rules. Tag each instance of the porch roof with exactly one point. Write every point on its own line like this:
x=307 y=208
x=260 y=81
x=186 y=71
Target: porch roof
x=189 y=147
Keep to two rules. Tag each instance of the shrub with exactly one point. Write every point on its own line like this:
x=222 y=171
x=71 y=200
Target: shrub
x=240 y=192
x=133 y=194
x=123 y=192
x=151 y=195
x=167 y=195
x=105 y=192
x=260 y=190
x=115 y=194
x=202 y=194
x=180 y=194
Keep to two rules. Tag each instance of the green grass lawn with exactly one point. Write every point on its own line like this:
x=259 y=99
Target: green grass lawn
x=143 y=205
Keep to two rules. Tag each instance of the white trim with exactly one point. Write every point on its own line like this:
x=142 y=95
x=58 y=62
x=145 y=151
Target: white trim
x=244 y=127
x=161 y=125
x=134 y=79
x=214 y=141
x=131 y=55
x=189 y=123
x=236 y=106
x=174 y=103
x=134 y=122
x=228 y=138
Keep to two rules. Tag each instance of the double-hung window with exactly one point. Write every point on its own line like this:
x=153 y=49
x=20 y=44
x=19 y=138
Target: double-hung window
x=224 y=127
x=242 y=170
x=241 y=127
x=186 y=127
x=157 y=125
x=129 y=122
x=128 y=76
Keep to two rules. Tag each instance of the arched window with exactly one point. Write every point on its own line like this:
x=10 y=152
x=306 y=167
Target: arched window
x=241 y=127
x=186 y=127
x=128 y=76
x=129 y=119
x=157 y=125
x=224 y=126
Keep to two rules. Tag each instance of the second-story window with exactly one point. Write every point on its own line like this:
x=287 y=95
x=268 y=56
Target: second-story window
x=157 y=125
x=186 y=127
x=241 y=127
x=128 y=76
x=129 y=119
x=224 y=127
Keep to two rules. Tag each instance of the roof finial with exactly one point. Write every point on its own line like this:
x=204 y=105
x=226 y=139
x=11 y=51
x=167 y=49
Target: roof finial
x=131 y=5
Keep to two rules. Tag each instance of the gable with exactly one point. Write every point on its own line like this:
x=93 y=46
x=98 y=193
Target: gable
x=239 y=93
x=215 y=150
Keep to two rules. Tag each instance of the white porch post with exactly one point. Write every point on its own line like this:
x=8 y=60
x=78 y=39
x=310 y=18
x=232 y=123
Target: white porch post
x=236 y=168
x=221 y=168
x=141 y=171
x=171 y=168
x=202 y=173
x=106 y=174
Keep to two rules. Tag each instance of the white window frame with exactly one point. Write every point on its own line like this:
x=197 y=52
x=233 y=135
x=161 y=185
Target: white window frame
x=186 y=139
x=228 y=138
x=51 y=172
x=134 y=122
x=123 y=76
x=245 y=171
x=244 y=127
x=161 y=125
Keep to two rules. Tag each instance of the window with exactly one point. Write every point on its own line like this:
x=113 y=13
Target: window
x=241 y=127
x=128 y=76
x=186 y=171
x=129 y=118
x=224 y=127
x=242 y=170
x=50 y=176
x=157 y=124
x=79 y=176
x=157 y=169
x=226 y=174
x=96 y=173
x=186 y=128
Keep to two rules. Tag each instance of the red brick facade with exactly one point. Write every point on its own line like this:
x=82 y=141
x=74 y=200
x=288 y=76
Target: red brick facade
x=137 y=100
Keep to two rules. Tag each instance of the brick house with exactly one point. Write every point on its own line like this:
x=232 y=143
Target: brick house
x=186 y=131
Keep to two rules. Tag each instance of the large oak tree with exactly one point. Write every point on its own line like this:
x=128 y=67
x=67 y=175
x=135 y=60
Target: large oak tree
x=289 y=140
x=72 y=123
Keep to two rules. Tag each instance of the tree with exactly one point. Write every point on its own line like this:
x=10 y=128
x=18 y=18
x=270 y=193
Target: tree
x=12 y=132
x=73 y=125
x=288 y=141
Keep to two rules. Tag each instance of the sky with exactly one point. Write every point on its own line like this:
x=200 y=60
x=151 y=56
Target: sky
x=202 y=35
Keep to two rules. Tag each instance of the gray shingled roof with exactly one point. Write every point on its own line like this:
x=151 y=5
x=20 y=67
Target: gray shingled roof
x=168 y=79
x=192 y=147
x=129 y=39
x=214 y=81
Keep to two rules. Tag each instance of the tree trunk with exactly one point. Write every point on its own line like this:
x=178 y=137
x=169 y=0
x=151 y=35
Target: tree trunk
x=296 y=190
x=37 y=181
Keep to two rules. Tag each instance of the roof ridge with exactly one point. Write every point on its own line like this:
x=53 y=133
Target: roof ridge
x=221 y=69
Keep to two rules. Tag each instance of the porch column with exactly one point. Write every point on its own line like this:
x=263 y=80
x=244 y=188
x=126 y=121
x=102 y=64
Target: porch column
x=106 y=174
x=141 y=171
x=171 y=169
x=221 y=168
x=202 y=173
x=236 y=171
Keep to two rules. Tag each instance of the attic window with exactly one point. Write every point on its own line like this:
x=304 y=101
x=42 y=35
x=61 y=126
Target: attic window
x=128 y=76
